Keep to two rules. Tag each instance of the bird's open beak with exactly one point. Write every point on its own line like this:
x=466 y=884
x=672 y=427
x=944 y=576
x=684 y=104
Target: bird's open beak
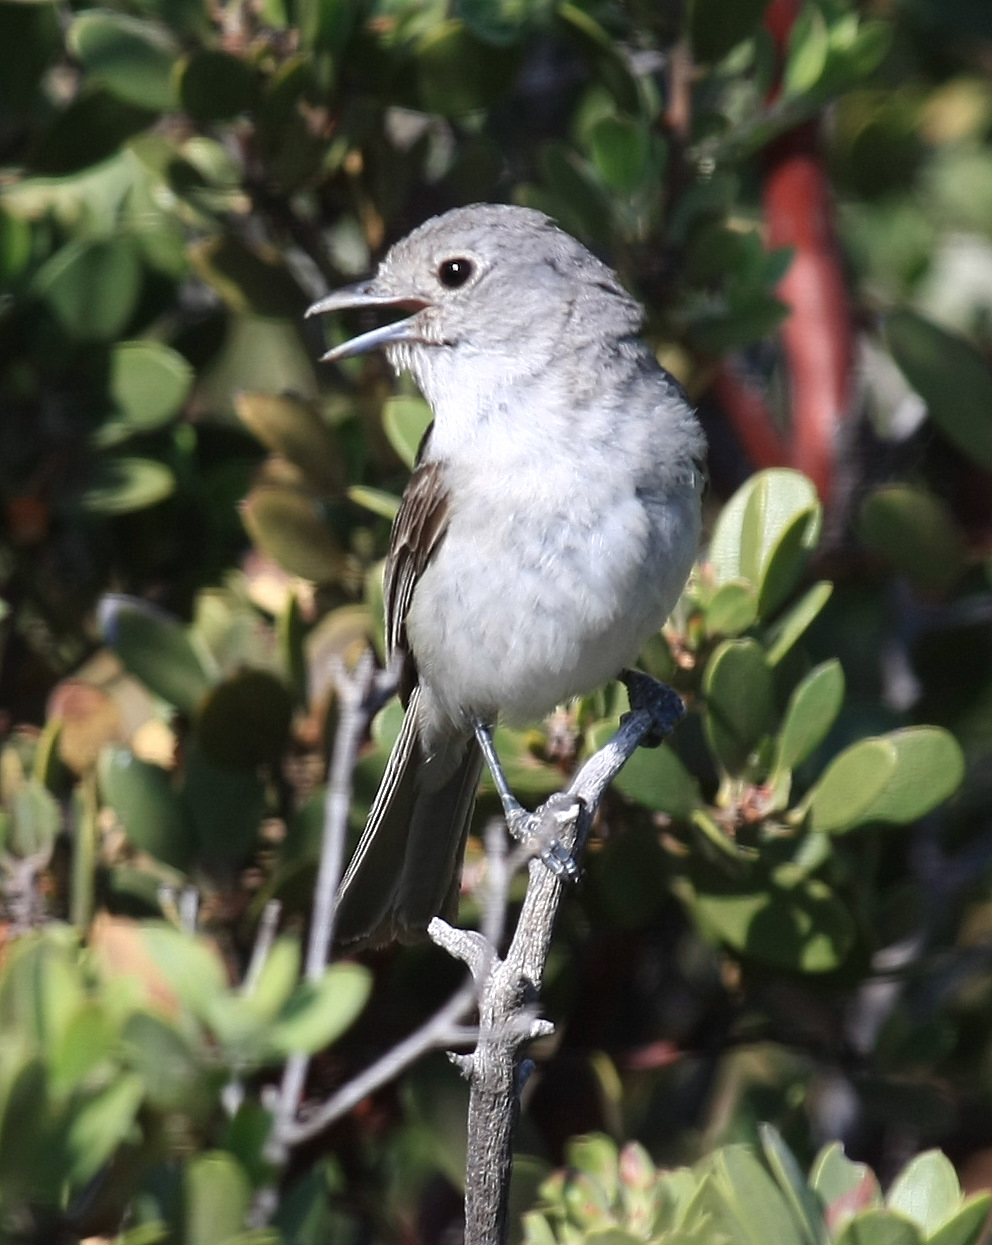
x=354 y=297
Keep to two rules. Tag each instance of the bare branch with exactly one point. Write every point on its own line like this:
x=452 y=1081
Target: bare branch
x=509 y=992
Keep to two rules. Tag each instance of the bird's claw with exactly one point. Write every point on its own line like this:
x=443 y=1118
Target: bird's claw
x=663 y=703
x=529 y=828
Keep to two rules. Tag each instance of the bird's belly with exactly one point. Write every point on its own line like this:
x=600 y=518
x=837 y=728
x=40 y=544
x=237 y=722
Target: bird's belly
x=514 y=617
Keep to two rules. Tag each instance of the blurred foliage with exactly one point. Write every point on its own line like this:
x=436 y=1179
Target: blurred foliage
x=786 y=911
x=740 y=1193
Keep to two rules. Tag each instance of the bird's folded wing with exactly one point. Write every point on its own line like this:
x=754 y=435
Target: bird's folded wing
x=418 y=529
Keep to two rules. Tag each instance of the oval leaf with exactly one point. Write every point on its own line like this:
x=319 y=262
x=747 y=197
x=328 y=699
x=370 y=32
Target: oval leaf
x=156 y=649
x=244 y=721
x=851 y=784
x=133 y=59
x=929 y=768
x=147 y=807
x=92 y=287
x=738 y=689
x=291 y=427
x=287 y=525
x=754 y=521
x=950 y=376
x=810 y=713
x=321 y=1010
x=916 y=534
x=149 y=383
x=732 y=608
x=121 y=485
x=619 y=148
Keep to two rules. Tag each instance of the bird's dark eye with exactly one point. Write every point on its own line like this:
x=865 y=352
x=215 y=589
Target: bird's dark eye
x=454 y=272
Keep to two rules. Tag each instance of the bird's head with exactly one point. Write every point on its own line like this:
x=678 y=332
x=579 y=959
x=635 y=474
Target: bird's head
x=486 y=280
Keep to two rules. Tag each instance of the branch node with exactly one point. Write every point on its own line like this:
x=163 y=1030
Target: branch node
x=464 y=1063
x=540 y=1028
x=467 y=945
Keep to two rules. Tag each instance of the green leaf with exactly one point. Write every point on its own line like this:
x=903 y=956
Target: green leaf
x=92 y=286
x=458 y=73
x=597 y=1156
x=99 y=1125
x=834 y=1176
x=142 y=797
x=809 y=48
x=287 y=525
x=88 y=1040
x=853 y=781
x=610 y=66
x=216 y=1199
x=879 y=1227
x=244 y=721
x=292 y=427
x=215 y=86
x=582 y=206
x=929 y=769
x=278 y=977
x=791 y=1181
x=149 y=383
x=15 y=246
x=123 y=485
x=133 y=59
x=320 y=1011
x=716 y=26
x=225 y=808
x=259 y=353
x=169 y=1069
x=36 y=820
x=810 y=713
x=158 y=650
x=752 y=1198
x=782 y=636
x=620 y=148
x=802 y=927
x=189 y=963
x=377 y=500
x=926 y=1190
x=733 y=608
x=950 y=376
x=249 y=279
x=765 y=534
x=406 y=421
x=916 y=534
x=739 y=697
x=967 y=1227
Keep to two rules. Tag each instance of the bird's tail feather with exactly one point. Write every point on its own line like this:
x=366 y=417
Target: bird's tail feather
x=405 y=868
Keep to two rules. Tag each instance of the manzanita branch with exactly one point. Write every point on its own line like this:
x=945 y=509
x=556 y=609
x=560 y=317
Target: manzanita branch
x=508 y=988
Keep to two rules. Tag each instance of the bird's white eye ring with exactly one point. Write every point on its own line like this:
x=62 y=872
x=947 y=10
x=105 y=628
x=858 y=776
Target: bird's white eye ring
x=453 y=273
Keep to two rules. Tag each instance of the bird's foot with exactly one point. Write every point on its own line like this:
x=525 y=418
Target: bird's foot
x=533 y=830
x=661 y=701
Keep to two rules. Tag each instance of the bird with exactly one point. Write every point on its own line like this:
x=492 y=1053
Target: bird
x=547 y=530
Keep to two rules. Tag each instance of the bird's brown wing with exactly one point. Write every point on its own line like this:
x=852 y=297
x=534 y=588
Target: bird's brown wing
x=418 y=529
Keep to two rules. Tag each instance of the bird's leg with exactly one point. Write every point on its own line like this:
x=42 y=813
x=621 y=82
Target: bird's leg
x=523 y=825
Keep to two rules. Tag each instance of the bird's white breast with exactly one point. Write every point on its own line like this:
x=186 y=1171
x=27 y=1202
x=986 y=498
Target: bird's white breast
x=563 y=553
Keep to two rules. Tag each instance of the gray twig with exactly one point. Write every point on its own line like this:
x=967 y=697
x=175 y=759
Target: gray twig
x=359 y=695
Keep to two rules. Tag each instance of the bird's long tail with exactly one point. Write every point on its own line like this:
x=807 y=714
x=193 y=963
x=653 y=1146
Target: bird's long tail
x=405 y=870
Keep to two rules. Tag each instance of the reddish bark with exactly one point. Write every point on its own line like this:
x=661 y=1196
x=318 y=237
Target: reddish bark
x=818 y=336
